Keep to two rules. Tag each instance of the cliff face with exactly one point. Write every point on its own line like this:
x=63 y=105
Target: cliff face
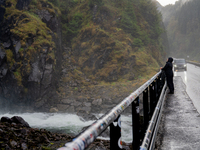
x=29 y=40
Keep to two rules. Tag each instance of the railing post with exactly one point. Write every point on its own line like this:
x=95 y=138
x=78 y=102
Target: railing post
x=115 y=134
x=146 y=108
x=135 y=124
x=159 y=86
x=156 y=91
x=152 y=98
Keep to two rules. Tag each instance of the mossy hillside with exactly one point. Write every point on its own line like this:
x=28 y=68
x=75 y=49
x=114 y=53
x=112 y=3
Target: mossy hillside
x=33 y=34
x=122 y=34
x=113 y=42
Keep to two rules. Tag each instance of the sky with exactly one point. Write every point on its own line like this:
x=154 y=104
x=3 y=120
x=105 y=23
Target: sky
x=166 y=2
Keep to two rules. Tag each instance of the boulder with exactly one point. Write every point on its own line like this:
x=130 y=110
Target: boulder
x=53 y=110
x=87 y=104
x=6 y=119
x=13 y=143
x=71 y=109
x=97 y=102
x=24 y=146
x=67 y=101
x=20 y=120
x=85 y=108
x=62 y=107
x=84 y=116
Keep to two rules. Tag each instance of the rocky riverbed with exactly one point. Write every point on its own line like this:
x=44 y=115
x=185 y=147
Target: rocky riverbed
x=15 y=133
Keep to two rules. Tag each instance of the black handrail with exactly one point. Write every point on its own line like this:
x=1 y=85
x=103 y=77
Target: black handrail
x=153 y=87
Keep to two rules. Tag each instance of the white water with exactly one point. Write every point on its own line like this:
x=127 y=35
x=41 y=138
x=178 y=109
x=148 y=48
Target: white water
x=67 y=123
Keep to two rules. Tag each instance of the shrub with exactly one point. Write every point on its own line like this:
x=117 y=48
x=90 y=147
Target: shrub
x=137 y=42
x=95 y=2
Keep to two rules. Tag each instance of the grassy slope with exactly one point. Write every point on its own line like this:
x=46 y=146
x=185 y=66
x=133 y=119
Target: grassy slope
x=113 y=42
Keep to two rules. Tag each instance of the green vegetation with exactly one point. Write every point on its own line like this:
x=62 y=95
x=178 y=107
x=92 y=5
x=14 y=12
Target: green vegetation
x=28 y=25
x=112 y=42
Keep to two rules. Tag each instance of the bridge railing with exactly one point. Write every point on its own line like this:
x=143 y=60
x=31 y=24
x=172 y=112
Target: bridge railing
x=151 y=91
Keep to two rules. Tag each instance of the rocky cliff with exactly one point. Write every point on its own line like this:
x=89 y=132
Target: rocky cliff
x=29 y=53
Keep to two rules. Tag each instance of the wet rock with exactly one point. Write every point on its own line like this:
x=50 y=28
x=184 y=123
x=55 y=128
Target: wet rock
x=36 y=73
x=44 y=139
x=67 y=101
x=53 y=110
x=23 y=131
x=71 y=109
x=17 y=47
x=62 y=107
x=20 y=120
x=1 y=131
x=2 y=56
x=24 y=146
x=4 y=72
x=86 y=109
x=87 y=104
x=44 y=15
x=76 y=104
x=7 y=44
x=13 y=144
x=97 y=102
x=83 y=115
x=6 y=119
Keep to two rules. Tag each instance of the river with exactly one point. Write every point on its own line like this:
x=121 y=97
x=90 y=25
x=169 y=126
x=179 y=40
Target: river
x=68 y=123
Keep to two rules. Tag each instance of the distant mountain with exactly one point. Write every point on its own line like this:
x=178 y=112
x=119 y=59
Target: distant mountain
x=159 y=6
x=182 y=23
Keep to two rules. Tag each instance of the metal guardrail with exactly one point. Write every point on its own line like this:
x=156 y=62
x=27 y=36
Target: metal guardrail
x=194 y=63
x=149 y=140
x=153 y=87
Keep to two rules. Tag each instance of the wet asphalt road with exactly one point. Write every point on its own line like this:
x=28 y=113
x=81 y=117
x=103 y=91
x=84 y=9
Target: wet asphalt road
x=191 y=78
x=180 y=124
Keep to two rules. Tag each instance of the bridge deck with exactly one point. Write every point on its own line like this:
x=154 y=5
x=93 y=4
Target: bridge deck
x=180 y=124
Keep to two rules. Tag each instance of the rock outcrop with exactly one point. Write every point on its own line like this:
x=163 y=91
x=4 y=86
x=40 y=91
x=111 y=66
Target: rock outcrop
x=30 y=50
x=15 y=133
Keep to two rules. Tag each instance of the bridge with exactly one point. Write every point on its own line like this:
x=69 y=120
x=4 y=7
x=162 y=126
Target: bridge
x=168 y=121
